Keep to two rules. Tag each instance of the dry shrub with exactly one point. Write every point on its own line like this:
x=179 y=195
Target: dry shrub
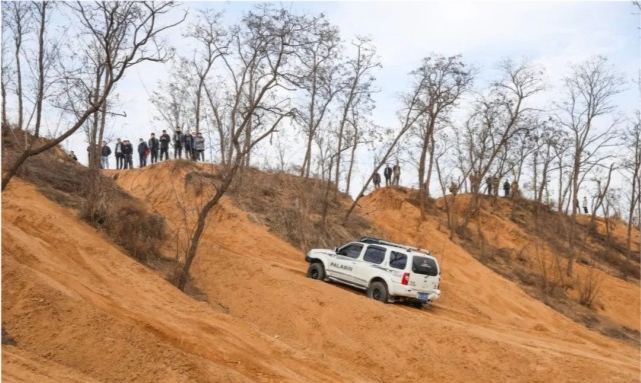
x=292 y=207
x=550 y=271
x=7 y=339
x=126 y=221
x=589 y=286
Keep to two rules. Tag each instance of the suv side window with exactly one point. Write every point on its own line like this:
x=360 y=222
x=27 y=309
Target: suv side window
x=374 y=254
x=351 y=251
x=398 y=260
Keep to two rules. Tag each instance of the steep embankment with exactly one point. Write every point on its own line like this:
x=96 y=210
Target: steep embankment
x=79 y=309
x=484 y=328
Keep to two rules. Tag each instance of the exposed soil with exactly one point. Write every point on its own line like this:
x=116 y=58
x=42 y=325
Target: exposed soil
x=81 y=310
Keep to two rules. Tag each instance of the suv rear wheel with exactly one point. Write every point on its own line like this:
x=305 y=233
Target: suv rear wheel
x=377 y=291
x=316 y=271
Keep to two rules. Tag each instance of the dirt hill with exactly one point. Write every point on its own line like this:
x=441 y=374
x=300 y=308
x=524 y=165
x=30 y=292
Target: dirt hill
x=79 y=309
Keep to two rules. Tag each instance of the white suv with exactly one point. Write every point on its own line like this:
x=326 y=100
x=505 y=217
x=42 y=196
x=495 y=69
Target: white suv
x=390 y=272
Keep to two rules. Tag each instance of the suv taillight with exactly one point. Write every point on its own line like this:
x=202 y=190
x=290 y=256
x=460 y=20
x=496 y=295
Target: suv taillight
x=406 y=278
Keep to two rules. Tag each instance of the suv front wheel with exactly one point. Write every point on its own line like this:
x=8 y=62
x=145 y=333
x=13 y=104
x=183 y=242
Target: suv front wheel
x=316 y=271
x=378 y=291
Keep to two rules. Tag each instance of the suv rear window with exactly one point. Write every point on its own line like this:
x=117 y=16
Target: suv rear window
x=398 y=260
x=425 y=266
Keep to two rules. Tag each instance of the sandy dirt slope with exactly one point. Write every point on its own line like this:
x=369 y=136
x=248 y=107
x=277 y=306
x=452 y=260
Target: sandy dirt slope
x=484 y=329
x=618 y=300
x=72 y=299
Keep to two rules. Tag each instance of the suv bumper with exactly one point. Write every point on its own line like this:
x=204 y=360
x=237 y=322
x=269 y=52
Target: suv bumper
x=432 y=295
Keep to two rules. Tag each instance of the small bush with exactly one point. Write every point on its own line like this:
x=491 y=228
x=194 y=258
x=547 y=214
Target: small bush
x=7 y=339
x=589 y=286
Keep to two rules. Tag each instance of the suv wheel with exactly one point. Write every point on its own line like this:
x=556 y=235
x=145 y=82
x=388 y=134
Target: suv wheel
x=377 y=291
x=316 y=271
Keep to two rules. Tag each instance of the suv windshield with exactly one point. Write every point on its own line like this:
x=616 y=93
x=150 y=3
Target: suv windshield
x=425 y=266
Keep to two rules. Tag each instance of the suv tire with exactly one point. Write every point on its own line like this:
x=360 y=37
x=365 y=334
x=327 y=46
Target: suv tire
x=378 y=291
x=316 y=271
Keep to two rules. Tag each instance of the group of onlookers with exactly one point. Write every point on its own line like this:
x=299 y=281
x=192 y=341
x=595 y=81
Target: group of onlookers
x=392 y=176
x=193 y=147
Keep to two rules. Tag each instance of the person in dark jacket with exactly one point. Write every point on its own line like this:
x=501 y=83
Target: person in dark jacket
x=377 y=180
x=506 y=188
x=72 y=155
x=128 y=151
x=143 y=148
x=188 y=144
x=105 y=152
x=200 y=147
x=154 y=145
x=164 y=145
x=120 y=158
x=388 y=175
x=178 y=143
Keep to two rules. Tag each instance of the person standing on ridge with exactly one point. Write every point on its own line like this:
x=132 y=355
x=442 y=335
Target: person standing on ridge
x=388 y=175
x=105 y=152
x=142 y=153
x=120 y=158
x=488 y=181
x=496 y=182
x=377 y=180
x=178 y=143
x=200 y=147
x=397 y=173
x=127 y=152
x=585 y=204
x=188 y=144
x=164 y=145
x=514 y=189
x=506 y=188
x=153 y=148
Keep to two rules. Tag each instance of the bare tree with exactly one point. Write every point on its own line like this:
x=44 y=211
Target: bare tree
x=174 y=98
x=7 y=72
x=319 y=78
x=495 y=120
x=589 y=89
x=128 y=33
x=444 y=80
x=412 y=110
x=18 y=20
x=207 y=32
x=632 y=172
x=263 y=46
x=355 y=100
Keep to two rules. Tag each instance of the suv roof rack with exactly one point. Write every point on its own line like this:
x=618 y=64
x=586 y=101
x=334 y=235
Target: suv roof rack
x=372 y=240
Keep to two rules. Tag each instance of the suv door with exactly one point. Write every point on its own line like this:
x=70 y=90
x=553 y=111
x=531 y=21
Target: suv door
x=370 y=265
x=343 y=265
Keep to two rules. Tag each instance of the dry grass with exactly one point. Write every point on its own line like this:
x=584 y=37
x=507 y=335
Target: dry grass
x=292 y=207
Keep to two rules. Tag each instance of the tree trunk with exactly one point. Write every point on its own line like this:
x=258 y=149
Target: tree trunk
x=575 y=198
x=351 y=163
x=181 y=281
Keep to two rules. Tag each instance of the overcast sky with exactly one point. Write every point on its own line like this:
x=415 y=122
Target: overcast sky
x=554 y=34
